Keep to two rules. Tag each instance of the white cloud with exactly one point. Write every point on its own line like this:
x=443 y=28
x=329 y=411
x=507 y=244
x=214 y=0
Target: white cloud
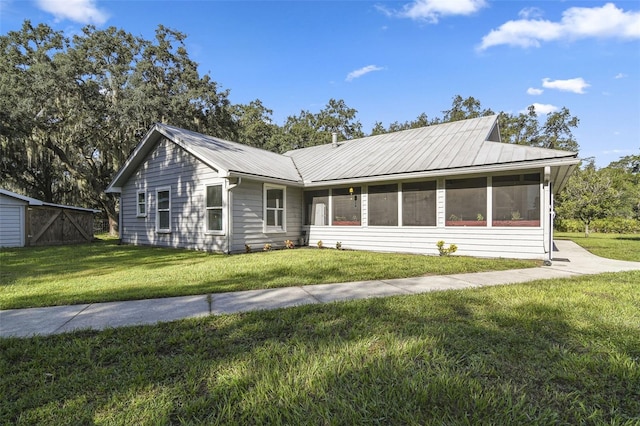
x=575 y=85
x=82 y=11
x=620 y=75
x=534 y=91
x=362 y=71
x=543 y=109
x=577 y=22
x=432 y=10
x=530 y=13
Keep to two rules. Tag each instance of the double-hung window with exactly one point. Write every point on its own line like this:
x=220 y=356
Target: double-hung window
x=163 y=210
x=274 y=208
x=214 y=209
x=141 y=203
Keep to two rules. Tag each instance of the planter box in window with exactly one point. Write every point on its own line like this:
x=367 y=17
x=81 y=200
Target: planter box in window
x=529 y=223
x=466 y=223
x=346 y=223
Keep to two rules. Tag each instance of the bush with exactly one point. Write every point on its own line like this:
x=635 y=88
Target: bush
x=613 y=225
x=446 y=251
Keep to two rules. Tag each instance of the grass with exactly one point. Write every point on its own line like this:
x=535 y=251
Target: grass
x=106 y=271
x=564 y=351
x=613 y=246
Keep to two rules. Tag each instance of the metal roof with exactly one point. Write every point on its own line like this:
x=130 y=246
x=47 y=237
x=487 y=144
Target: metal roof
x=228 y=158
x=468 y=144
x=35 y=202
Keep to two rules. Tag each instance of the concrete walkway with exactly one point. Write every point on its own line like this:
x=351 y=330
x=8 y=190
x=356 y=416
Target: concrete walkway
x=570 y=260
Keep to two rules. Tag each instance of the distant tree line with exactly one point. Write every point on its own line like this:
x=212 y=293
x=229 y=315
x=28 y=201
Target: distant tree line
x=73 y=109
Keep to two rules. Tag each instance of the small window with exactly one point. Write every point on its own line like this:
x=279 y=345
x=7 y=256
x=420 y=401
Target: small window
x=142 y=204
x=419 y=204
x=516 y=200
x=163 y=210
x=346 y=207
x=274 y=211
x=214 y=208
x=383 y=205
x=316 y=207
x=466 y=202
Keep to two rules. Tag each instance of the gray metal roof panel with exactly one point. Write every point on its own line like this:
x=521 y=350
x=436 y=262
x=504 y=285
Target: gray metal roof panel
x=233 y=156
x=453 y=145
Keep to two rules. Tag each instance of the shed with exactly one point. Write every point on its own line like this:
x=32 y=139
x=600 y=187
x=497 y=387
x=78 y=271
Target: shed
x=26 y=221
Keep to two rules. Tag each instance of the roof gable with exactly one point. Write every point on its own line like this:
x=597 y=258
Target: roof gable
x=226 y=157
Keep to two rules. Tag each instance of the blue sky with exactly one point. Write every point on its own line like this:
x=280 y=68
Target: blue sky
x=395 y=60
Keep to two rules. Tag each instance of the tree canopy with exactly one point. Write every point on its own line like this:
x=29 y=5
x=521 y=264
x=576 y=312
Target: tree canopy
x=73 y=109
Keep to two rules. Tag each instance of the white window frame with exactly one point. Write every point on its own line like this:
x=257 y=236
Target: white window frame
x=221 y=207
x=283 y=226
x=158 y=211
x=144 y=203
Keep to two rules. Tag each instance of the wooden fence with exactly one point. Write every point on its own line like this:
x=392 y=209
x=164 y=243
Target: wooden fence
x=54 y=226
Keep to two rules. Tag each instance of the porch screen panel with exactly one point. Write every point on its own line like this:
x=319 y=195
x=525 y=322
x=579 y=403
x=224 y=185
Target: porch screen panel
x=383 y=205
x=347 y=207
x=316 y=207
x=516 y=200
x=466 y=202
x=419 y=204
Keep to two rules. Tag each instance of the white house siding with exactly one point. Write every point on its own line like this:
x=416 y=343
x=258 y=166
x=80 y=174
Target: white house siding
x=523 y=243
x=12 y=222
x=247 y=221
x=168 y=165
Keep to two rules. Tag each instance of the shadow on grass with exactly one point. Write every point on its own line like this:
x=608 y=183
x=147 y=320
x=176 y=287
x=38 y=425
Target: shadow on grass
x=108 y=272
x=480 y=356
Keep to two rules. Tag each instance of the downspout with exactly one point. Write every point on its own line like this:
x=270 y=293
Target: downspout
x=120 y=215
x=230 y=211
x=549 y=182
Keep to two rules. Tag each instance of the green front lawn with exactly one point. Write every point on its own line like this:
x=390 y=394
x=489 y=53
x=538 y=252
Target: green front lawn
x=106 y=271
x=548 y=352
x=612 y=246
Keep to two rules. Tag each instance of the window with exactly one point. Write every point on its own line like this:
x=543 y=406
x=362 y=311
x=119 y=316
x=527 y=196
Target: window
x=516 y=200
x=316 y=205
x=214 y=208
x=383 y=205
x=274 y=208
x=419 y=204
x=142 y=204
x=466 y=202
x=163 y=210
x=346 y=207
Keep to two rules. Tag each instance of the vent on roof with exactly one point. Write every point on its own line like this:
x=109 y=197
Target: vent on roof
x=334 y=139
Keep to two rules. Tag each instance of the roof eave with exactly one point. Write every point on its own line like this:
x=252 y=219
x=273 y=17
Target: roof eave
x=262 y=178
x=490 y=168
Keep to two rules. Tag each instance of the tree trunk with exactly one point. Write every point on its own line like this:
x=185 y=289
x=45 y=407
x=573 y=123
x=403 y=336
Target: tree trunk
x=113 y=225
x=586 y=230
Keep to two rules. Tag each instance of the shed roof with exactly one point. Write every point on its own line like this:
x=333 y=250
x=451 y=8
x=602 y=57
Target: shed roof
x=461 y=146
x=35 y=202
